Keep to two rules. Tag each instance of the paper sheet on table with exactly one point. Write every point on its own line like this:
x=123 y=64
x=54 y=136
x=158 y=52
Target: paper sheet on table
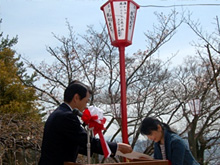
x=135 y=155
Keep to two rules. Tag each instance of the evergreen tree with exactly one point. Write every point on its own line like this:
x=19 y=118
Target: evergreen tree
x=20 y=121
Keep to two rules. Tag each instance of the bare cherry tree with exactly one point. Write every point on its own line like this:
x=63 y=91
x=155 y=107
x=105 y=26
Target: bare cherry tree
x=199 y=78
x=20 y=141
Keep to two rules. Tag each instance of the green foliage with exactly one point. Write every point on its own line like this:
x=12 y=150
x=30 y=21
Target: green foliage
x=6 y=42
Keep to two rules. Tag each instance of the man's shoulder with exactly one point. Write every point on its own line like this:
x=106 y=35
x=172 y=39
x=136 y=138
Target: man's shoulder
x=64 y=106
x=62 y=112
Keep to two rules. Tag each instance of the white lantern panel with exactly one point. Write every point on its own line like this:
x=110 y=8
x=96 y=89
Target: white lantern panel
x=120 y=9
x=109 y=21
x=132 y=15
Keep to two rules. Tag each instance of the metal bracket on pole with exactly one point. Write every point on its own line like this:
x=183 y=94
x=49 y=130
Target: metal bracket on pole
x=88 y=145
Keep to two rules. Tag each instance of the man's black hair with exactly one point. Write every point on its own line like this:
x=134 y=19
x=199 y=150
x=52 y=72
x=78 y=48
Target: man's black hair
x=75 y=87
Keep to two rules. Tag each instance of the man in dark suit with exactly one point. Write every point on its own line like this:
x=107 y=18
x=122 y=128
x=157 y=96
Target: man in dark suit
x=64 y=137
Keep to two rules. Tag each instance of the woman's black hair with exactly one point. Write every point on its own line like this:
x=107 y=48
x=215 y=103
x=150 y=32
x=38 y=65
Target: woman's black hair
x=75 y=87
x=150 y=124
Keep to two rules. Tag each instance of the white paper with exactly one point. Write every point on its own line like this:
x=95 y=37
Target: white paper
x=135 y=155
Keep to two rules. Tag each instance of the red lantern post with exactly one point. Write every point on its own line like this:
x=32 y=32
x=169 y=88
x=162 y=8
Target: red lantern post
x=120 y=18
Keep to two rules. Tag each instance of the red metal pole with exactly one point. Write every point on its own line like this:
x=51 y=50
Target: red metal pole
x=123 y=95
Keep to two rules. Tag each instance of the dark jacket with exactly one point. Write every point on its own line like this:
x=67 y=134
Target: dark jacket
x=177 y=151
x=64 y=138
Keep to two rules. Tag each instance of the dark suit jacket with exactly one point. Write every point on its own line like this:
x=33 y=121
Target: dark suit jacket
x=64 y=138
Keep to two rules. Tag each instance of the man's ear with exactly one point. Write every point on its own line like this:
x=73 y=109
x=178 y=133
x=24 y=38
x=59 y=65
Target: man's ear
x=159 y=127
x=76 y=97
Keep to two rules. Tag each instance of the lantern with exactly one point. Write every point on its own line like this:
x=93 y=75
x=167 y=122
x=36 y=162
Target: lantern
x=120 y=18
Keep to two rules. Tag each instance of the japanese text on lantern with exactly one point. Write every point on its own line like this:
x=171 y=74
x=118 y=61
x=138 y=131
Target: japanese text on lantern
x=120 y=16
x=109 y=20
x=132 y=16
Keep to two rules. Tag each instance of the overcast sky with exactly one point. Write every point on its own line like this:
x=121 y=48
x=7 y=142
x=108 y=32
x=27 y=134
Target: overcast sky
x=34 y=21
